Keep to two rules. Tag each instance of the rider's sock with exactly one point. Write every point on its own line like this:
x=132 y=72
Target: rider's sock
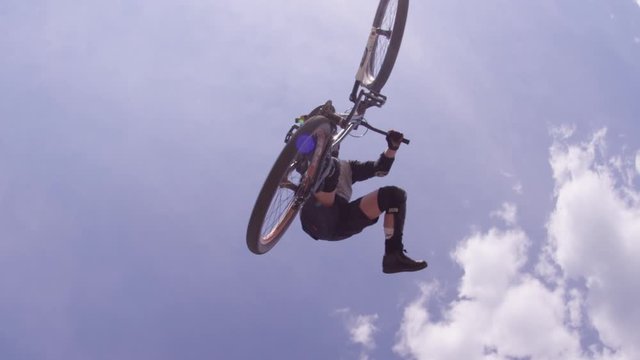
x=392 y=243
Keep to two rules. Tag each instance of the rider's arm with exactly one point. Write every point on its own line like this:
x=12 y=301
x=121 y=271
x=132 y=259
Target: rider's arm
x=381 y=167
x=327 y=193
x=365 y=170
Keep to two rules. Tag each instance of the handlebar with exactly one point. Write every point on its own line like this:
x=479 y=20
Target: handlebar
x=382 y=132
x=364 y=100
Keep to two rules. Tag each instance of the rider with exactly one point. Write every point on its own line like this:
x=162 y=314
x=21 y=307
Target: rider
x=330 y=215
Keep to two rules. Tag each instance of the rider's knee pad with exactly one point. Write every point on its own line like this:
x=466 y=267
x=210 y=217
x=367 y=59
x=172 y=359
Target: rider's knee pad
x=392 y=199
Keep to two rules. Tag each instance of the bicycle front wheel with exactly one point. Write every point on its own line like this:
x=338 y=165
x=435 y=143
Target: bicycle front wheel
x=288 y=184
x=384 y=43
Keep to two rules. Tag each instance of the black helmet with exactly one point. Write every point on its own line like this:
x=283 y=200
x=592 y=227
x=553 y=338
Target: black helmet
x=326 y=108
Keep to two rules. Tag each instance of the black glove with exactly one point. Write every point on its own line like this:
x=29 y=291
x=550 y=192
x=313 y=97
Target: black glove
x=394 y=139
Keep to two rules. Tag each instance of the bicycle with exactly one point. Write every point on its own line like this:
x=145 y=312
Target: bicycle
x=302 y=165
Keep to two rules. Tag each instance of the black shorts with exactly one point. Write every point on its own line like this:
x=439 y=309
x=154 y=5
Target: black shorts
x=340 y=221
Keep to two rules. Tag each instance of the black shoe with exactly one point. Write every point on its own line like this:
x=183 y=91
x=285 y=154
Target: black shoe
x=397 y=261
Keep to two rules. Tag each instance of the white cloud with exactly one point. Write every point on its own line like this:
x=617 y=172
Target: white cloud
x=568 y=162
x=638 y=158
x=361 y=328
x=508 y=213
x=501 y=312
x=594 y=232
x=518 y=188
x=575 y=304
x=491 y=262
x=506 y=174
x=563 y=132
x=529 y=322
x=504 y=311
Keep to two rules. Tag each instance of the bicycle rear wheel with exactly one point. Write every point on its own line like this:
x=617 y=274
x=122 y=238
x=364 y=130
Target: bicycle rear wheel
x=383 y=45
x=288 y=184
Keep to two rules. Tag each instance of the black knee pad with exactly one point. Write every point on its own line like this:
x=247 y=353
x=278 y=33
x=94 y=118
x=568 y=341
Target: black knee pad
x=392 y=199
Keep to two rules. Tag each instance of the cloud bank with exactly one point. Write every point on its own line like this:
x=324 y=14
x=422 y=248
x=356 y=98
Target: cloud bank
x=574 y=299
x=361 y=329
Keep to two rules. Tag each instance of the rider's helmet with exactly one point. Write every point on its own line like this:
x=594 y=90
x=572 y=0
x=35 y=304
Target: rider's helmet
x=326 y=108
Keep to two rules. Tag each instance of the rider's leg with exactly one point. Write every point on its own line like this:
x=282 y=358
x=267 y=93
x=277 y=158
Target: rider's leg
x=369 y=206
x=391 y=200
x=319 y=216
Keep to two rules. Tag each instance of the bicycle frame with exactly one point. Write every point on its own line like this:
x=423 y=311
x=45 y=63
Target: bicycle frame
x=350 y=121
x=364 y=100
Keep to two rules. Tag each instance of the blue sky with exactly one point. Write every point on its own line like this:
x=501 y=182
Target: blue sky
x=134 y=137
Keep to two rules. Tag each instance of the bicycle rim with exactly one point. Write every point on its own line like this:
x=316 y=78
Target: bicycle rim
x=385 y=32
x=282 y=209
x=288 y=185
x=388 y=29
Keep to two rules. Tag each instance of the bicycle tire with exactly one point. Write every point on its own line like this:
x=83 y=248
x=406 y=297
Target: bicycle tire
x=317 y=130
x=383 y=55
